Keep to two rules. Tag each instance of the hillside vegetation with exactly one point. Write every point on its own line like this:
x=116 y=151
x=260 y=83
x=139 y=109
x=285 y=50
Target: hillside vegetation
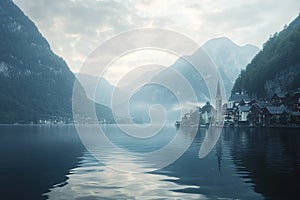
x=276 y=68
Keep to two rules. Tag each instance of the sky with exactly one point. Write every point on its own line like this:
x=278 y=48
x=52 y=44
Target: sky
x=75 y=28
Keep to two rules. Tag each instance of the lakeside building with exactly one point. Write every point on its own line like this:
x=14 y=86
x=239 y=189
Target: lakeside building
x=283 y=109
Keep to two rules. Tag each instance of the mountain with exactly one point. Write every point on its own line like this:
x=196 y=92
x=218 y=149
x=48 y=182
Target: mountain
x=34 y=82
x=276 y=68
x=229 y=58
x=103 y=92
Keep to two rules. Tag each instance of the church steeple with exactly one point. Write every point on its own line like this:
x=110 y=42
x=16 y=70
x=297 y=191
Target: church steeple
x=218 y=105
x=218 y=96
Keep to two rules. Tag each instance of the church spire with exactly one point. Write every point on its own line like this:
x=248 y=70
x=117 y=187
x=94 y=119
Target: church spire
x=218 y=96
x=218 y=106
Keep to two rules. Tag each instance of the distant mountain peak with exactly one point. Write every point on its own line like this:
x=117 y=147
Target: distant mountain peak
x=225 y=41
x=218 y=39
x=250 y=46
x=229 y=58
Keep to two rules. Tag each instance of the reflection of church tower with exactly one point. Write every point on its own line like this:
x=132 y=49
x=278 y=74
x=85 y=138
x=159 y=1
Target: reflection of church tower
x=218 y=105
x=219 y=154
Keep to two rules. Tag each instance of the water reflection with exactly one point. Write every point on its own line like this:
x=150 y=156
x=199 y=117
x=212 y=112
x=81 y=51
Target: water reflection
x=92 y=180
x=244 y=164
x=115 y=148
x=34 y=158
x=219 y=155
x=189 y=177
x=271 y=157
x=215 y=176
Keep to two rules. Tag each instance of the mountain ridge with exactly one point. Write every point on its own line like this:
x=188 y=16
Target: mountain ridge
x=228 y=56
x=154 y=94
x=35 y=83
x=275 y=69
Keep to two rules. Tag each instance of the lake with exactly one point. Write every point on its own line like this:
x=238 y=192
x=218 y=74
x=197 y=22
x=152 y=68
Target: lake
x=51 y=162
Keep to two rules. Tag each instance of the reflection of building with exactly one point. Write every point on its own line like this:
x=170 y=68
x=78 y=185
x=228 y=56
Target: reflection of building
x=219 y=154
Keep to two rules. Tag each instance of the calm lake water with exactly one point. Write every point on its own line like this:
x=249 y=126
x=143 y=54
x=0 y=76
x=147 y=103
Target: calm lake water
x=50 y=162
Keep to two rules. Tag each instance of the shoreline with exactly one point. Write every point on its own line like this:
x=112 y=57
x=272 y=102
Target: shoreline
x=246 y=127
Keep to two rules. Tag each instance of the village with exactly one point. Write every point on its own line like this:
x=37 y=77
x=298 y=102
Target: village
x=281 y=110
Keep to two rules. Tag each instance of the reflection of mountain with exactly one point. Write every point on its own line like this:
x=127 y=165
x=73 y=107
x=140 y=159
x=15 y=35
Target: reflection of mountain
x=254 y=164
x=213 y=176
x=34 y=158
x=271 y=158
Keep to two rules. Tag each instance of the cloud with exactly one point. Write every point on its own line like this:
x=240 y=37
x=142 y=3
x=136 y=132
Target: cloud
x=74 y=28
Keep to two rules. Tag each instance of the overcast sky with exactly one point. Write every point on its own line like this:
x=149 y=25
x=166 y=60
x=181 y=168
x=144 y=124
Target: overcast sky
x=74 y=28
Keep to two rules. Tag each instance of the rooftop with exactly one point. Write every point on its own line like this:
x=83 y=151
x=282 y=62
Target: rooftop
x=276 y=110
x=296 y=114
x=261 y=104
x=245 y=108
x=237 y=97
x=280 y=95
